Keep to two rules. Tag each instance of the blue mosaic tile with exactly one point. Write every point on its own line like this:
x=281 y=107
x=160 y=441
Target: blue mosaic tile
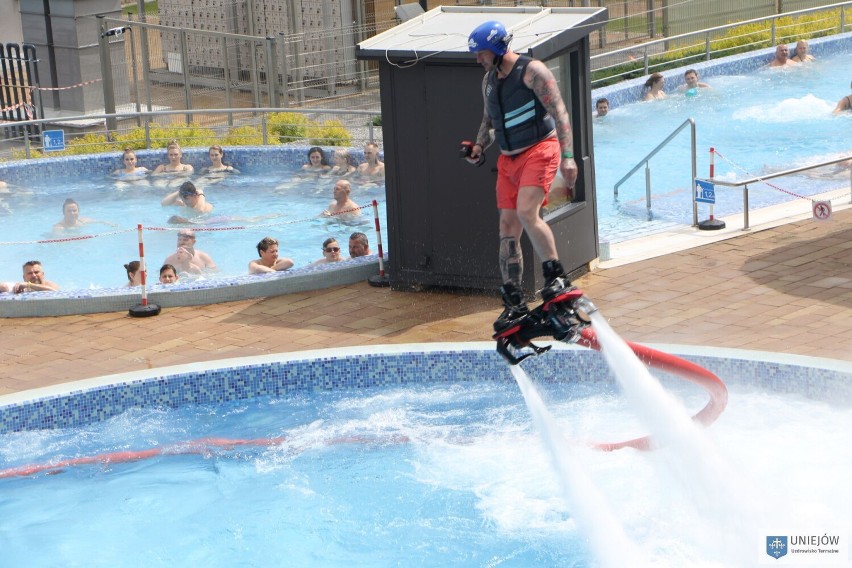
x=279 y=379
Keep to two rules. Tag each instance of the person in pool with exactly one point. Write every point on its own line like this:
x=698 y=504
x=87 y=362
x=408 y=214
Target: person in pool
x=317 y=161
x=342 y=163
x=134 y=274
x=601 y=108
x=691 y=84
x=131 y=170
x=342 y=205
x=168 y=274
x=330 y=252
x=782 y=57
x=372 y=168
x=802 y=55
x=216 y=154
x=269 y=261
x=188 y=196
x=653 y=88
x=174 y=166
x=71 y=217
x=186 y=241
x=844 y=104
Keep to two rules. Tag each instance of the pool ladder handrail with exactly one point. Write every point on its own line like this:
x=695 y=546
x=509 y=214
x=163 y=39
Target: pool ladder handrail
x=756 y=179
x=647 y=162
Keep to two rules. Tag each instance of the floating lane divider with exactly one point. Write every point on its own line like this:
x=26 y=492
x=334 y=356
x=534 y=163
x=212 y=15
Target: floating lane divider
x=202 y=446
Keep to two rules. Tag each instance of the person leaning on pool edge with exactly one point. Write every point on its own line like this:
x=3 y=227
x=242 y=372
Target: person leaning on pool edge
x=267 y=250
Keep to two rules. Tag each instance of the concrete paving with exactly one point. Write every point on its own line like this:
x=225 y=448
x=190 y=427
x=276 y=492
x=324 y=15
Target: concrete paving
x=784 y=289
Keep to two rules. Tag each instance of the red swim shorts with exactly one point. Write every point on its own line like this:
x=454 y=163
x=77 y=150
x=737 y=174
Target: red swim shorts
x=536 y=166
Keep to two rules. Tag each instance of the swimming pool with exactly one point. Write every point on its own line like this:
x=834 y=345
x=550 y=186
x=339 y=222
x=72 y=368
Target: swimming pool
x=271 y=197
x=762 y=120
x=405 y=455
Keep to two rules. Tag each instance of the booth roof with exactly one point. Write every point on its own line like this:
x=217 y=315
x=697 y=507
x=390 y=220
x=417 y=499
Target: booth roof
x=443 y=31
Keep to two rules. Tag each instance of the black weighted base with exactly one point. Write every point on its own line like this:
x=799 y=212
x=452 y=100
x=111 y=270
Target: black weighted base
x=144 y=311
x=378 y=281
x=711 y=225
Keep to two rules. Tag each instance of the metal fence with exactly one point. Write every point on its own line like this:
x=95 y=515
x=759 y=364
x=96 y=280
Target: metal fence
x=227 y=126
x=684 y=49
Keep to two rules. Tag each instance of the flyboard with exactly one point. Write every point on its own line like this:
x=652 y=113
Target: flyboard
x=567 y=318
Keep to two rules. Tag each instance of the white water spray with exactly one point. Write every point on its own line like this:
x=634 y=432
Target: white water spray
x=715 y=489
x=608 y=541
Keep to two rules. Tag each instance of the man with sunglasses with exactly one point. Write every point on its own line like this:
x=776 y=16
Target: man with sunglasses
x=330 y=252
x=186 y=240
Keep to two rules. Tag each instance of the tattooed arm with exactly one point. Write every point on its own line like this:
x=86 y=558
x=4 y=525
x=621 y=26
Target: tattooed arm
x=542 y=82
x=484 y=138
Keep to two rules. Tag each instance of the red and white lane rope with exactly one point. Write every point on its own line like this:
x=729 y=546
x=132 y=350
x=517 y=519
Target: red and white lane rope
x=67 y=239
x=748 y=173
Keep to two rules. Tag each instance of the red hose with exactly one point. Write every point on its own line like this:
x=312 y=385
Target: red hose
x=670 y=363
x=651 y=357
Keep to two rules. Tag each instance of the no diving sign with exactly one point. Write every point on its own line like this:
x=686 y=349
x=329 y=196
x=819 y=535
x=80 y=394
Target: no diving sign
x=822 y=210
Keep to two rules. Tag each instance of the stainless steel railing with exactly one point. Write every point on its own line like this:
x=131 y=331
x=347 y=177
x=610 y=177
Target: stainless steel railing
x=646 y=161
x=751 y=181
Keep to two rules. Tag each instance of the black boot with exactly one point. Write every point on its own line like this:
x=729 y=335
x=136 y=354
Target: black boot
x=516 y=307
x=555 y=280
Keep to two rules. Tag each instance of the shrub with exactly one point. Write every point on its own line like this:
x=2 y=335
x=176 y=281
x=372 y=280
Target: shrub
x=245 y=136
x=330 y=133
x=288 y=126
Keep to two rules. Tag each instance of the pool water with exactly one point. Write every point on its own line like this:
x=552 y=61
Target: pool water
x=769 y=121
x=425 y=475
x=282 y=204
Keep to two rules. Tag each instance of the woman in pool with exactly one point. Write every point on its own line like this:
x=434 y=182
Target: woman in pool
x=174 y=154
x=131 y=170
x=216 y=153
x=71 y=217
x=134 y=275
x=653 y=89
x=342 y=163
x=317 y=162
x=188 y=196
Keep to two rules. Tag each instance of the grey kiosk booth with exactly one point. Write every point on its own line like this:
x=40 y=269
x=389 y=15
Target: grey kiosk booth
x=441 y=210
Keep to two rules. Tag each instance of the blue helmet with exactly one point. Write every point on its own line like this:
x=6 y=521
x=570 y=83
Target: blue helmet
x=491 y=36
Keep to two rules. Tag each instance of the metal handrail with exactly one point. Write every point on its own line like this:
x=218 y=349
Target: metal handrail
x=707 y=32
x=646 y=161
x=756 y=179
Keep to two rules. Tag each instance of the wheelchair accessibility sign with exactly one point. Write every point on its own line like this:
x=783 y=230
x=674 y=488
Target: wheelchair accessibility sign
x=705 y=191
x=53 y=140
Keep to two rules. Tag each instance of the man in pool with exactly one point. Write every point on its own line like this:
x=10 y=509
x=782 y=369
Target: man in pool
x=601 y=108
x=372 y=167
x=782 y=57
x=188 y=196
x=186 y=240
x=342 y=206
x=533 y=145
x=267 y=249
x=34 y=280
x=359 y=245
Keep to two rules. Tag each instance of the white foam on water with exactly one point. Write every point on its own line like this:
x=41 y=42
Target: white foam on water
x=607 y=539
x=725 y=505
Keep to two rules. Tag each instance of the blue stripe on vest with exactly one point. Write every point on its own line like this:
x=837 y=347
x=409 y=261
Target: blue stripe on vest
x=523 y=118
x=524 y=108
